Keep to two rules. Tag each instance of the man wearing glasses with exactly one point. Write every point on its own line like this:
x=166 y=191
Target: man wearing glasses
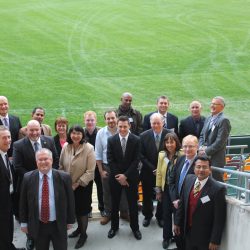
x=214 y=135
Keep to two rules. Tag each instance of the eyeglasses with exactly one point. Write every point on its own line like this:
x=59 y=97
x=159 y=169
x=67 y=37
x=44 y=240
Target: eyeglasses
x=188 y=146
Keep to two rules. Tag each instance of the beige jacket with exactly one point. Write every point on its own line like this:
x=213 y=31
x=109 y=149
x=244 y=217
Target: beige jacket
x=80 y=166
x=46 y=130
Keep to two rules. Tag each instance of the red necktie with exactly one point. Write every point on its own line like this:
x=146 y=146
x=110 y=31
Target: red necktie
x=45 y=200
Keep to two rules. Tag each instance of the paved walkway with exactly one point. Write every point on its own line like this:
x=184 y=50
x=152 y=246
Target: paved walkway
x=97 y=235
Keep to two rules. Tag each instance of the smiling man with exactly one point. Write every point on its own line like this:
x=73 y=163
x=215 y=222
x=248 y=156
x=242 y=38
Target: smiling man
x=214 y=135
x=202 y=208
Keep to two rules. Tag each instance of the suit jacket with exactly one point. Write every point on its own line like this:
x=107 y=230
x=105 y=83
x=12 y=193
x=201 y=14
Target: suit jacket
x=45 y=128
x=172 y=122
x=209 y=217
x=188 y=127
x=148 y=150
x=64 y=201
x=216 y=139
x=14 y=127
x=57 y=144
x=175 y=176
x=127 y=164
x=24 y=156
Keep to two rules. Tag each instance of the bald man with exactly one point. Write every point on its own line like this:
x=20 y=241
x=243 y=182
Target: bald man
x=193 y=124
x=10 y=121
x=24 y=155
x=135 y=117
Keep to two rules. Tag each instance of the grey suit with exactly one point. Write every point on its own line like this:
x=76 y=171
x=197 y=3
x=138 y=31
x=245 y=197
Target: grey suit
x=208 y=218
x=64 y=203
x=215 y=139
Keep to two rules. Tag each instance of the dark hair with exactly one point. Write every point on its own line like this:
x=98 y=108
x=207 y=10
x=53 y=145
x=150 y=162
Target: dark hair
x=36 y=108
x=123 y=118
x=110 y=111
x=77 y=128
x=202 y=158
x=172 y=137
x=63 y=120
x=162 y=97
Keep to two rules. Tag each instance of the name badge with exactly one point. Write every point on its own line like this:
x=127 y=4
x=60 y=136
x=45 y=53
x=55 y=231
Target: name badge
x=130 y=119
x=205 y=199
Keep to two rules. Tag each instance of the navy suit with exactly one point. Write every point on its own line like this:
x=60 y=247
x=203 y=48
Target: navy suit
x=14 y=127
x=172 y=122
x=189 y=126
x=209 y=216
x=6 y=208
x=126 y=164
x=149 y=157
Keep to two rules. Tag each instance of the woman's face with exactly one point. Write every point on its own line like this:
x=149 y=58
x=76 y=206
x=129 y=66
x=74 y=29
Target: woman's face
x=61 y=128
x=76 y=136
x=171 y=146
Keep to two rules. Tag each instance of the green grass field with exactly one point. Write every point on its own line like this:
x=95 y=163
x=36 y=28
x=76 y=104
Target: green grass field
x=70 y=56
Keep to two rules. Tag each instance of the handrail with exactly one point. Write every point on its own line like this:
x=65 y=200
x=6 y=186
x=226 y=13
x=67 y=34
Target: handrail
x=241 y=174
x=241 y=147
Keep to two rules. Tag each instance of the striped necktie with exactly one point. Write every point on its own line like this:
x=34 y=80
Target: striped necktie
x=197 y=187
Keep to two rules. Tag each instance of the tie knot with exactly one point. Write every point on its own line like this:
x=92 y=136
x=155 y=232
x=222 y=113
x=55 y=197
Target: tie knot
x=45 y=177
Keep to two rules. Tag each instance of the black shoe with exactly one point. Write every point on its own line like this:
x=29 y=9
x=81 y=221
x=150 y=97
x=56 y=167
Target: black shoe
x=75 y=233
x=160 y=223
x=30 y=244
x=102 y=213
x=165 y=244
x=22 y=248
x=81 y=241
x=137 y=234
x=146 y=222
x=111 y=233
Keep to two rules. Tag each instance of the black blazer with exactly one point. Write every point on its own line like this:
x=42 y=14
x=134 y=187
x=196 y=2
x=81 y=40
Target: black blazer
x=24 y=156
x=149 y=152
x=64 y=201
x=14 y=127
x=127 y=164
x=175 y=176
x=172 y=122
x=209 y=217
x=188 y=127
x=57 y=145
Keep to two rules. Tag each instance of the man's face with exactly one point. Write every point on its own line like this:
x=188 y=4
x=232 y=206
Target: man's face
x=44 y=162
x=216 y=106
x=126 y=101
x=111 y=120
x=162 y=105
x=4 y=106
x=5 y=140
x=33 y=131
x=190 y=148
x=202 y=169
x=90 y=122
x=123 y=128
x=38 y=115
x=157 y=124
x=195 y=109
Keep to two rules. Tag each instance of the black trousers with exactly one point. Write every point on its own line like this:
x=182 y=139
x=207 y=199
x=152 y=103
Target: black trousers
x=148 y=184
x=98 y=182
x=131 y=193
x=49 y=232
x=189 y=244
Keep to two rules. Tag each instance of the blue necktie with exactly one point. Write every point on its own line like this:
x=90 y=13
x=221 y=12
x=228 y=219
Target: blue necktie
x=182 y=175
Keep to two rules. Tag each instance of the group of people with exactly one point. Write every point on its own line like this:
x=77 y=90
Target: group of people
x=47 y=181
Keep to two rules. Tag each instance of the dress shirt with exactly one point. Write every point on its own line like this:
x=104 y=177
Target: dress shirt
x=52 y=208
x=101 y=144
x=203 y=182
x=3 y=122
x=158 y=135
x=39 y=143
x=9 y=170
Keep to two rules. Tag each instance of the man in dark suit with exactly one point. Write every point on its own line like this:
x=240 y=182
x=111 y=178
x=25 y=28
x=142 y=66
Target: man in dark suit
x=123 y=159
x=24 y=155
x=170 y=121
x=47 y=209
x=7 y=186
x=151 y=145
x=10 y=121
x=183 y=167
x=202 y=209
x=193 y=124
x=214 y=135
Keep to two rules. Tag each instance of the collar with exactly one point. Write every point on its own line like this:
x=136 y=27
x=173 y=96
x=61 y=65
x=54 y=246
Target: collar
x=203 y=182
x=213 y=117
x=126 y=137
x=2 y=153
x=165 y=115
x=49 y=174
x=190 y=160
x=7 y=116
x=39 y=141
x=157 y=134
